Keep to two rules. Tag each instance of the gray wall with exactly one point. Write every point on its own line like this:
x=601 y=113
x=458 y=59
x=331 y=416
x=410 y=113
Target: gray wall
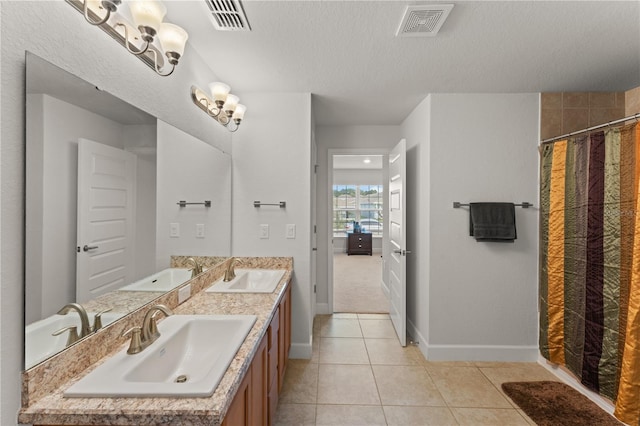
x=416 y=130
x=272 y=163
x=480 y=299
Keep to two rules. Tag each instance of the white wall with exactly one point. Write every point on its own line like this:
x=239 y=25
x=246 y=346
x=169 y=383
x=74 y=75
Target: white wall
x=95 y=57
x=141 y=140
x=340 y=137
x=271 y=163
x=415 y=129
x=480 y=298
x=193 y=171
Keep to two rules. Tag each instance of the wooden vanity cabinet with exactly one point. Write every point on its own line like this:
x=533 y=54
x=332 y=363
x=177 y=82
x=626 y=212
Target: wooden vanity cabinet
x=256 y=401
x=284 y=336
x=259 y=385
x=239 y=412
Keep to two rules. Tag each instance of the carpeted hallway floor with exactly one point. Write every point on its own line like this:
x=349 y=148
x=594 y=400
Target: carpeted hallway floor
x=356 y=284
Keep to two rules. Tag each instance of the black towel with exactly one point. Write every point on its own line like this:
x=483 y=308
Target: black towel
x=493 y=222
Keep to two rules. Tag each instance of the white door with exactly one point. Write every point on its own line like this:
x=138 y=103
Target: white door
x=106 y=211
x=397 y=256
x=314 y=234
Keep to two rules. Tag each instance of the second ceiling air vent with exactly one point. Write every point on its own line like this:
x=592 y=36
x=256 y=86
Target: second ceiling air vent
x=228 y=15
x=424 y=20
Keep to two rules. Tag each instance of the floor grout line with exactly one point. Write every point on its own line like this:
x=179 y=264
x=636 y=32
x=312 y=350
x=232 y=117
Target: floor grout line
x=403 y=362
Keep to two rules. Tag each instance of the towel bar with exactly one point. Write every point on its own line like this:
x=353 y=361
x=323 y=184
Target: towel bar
x=281 y=204
x=182 y=203
x=524 y=205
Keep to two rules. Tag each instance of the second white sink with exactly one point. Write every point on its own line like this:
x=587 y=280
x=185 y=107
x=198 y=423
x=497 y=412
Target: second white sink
x=249 y=281
x=189 y=359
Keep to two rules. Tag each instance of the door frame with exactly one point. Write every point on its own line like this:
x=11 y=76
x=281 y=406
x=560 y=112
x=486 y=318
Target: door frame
x=348 y=151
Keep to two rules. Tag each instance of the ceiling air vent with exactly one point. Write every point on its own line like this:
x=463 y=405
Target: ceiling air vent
x=423 y=21
x=228 y=15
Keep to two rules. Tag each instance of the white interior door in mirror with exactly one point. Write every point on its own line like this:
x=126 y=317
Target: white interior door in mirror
x=106 y=212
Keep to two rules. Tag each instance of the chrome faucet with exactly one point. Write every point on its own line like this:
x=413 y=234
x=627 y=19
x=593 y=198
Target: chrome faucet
x=142 y=337
x=85 y=328
x=197 y=269
x=230 y=273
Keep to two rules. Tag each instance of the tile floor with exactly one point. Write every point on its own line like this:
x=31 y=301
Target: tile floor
x=360 y=375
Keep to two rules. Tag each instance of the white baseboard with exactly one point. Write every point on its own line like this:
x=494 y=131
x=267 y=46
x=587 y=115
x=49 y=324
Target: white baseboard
x=417 y=337
x=504 y=353
x=323 y=309
x=572 y=381
x=300 y=351
x=498 y=353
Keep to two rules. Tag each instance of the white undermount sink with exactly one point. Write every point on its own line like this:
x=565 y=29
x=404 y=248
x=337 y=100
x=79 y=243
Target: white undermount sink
x=164 y=280
x=249 y=281
x=189 y=359
x=39 y=344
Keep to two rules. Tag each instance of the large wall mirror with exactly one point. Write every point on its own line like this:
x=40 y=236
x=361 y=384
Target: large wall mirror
x=103 y=185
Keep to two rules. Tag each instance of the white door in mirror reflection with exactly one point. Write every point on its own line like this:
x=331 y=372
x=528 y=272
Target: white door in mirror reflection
x=106 y=211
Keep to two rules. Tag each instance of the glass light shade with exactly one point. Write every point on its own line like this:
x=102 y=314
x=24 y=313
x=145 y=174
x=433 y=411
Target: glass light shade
x=172 y=38
x=238 y=114
x=231 y=103
x=219 y=91
x=147 y=13
x=94 y=5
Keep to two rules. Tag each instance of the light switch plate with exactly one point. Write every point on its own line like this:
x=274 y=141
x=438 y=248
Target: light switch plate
x=174 y=231
x=264 y=231
x=291 y=230
x=200 y=230
x=184 y=293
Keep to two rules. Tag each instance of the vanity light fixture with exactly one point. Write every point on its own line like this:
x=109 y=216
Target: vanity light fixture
x=220 y=105
x=140 y=37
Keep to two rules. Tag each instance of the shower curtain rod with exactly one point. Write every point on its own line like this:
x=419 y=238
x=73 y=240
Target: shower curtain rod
x=599 y=126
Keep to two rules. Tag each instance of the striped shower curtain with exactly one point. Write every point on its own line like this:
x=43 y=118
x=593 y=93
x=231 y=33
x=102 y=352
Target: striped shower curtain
x=590 y=262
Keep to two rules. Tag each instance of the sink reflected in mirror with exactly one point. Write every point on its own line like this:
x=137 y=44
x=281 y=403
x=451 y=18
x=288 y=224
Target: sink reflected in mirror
x=40 y=343
x=189 y=359
x=249 y=281
x=163 y=281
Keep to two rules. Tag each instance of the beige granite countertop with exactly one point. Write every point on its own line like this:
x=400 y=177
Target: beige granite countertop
x=52 y=408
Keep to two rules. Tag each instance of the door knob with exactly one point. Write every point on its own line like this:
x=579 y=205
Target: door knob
x=402 y=252
x=87 y=248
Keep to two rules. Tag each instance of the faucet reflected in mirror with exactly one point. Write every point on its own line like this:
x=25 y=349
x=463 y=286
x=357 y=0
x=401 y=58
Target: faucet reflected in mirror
x=197 y=269
x=230 y=272
x=85 y=328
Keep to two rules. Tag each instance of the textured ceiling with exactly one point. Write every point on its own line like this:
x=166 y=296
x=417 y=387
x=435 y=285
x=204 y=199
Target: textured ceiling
x=347 y=55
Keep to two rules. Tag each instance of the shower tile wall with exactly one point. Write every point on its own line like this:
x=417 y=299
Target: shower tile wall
x=565 y=112
x=632 y=101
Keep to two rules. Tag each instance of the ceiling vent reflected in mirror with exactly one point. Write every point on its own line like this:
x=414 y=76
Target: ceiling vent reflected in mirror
x=228 y=15
x=424 y=20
